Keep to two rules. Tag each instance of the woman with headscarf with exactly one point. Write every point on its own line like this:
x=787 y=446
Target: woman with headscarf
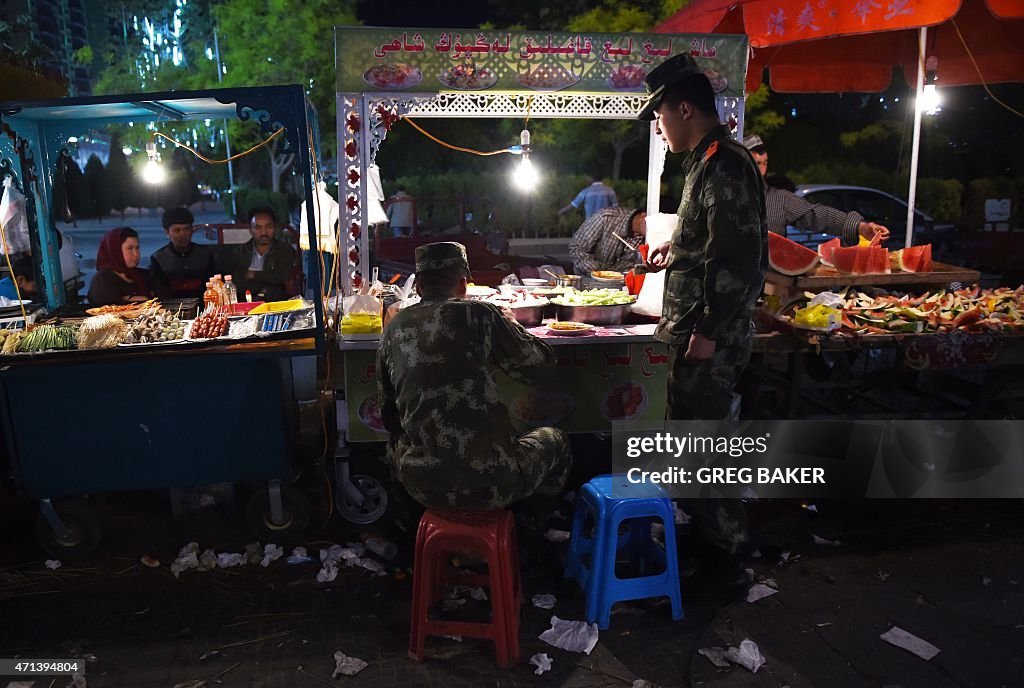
x=118 y=279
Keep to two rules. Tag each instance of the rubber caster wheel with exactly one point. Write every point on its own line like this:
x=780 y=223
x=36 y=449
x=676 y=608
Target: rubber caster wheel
x=82 y=536
x=370 y=478
x=295 y=519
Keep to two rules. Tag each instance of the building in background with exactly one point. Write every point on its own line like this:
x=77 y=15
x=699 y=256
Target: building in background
x=61 y=28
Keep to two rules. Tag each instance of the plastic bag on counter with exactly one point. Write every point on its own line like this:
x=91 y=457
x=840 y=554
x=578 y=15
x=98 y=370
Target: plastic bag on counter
x=12 y=217
x=362 y=315
x=819 y=317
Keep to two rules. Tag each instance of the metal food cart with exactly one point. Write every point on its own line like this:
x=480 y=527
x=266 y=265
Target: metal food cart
x=152 y=416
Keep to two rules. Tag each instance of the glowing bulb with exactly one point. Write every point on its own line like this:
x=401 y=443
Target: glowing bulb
x=126 y=150
x=72 y=139
x=525 y=176
x=930 y=100
x=154 y=173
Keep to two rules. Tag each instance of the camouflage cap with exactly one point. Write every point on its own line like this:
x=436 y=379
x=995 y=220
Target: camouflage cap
x=672 y=71
x=441 y=256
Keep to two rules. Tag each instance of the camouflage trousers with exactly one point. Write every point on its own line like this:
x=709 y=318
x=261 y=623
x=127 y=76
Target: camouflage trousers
x=703 y=390
x=539 y=463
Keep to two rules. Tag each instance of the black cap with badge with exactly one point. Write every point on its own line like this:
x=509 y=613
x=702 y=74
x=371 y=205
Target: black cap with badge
x=672 y=71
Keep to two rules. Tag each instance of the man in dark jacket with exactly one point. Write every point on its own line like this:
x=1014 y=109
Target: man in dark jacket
x=180 y=269
x=264 y=264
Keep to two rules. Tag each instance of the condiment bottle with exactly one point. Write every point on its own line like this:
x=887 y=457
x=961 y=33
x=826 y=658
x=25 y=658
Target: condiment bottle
x=209 y=297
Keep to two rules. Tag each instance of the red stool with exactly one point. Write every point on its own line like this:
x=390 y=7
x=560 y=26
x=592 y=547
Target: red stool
x=491 y=534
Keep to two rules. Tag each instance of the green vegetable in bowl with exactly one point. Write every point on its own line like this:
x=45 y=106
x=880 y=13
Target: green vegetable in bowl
x=595 y=297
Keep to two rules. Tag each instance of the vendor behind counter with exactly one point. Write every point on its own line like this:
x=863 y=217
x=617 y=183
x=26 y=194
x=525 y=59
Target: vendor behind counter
x=119 y=279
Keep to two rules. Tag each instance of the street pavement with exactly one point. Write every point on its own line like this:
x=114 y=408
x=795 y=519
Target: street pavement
x=950 y=572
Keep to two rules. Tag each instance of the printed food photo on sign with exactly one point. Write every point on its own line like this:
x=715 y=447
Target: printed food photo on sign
x=718 y=82
x=393 y=76
x=542 y=407
x=548 y=78
x=466 y=77
x=628 y=78
x=624 y=401
x=369 y=413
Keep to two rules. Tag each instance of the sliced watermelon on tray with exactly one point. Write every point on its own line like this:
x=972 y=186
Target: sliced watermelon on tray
x=788 y=257
x=825 y=250
x=860 y=260
x=912 y=259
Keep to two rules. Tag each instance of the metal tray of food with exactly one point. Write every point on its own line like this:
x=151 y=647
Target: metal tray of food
x=594 y=315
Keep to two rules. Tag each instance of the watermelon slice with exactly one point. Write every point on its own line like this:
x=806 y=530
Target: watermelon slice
x=825 y=250
x=860 y=260
x=912 y=259
x=788 y=257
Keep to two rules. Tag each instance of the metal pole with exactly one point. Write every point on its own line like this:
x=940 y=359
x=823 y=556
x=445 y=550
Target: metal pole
x=227 y=136
x=912 y=193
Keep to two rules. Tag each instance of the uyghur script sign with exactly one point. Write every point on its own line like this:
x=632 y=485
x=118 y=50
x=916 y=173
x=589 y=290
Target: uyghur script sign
x=430 y=61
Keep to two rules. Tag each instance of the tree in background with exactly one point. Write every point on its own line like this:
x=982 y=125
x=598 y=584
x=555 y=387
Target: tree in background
x=119 y=178
x=97 y=202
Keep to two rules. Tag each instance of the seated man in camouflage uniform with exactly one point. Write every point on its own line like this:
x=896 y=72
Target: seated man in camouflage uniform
x=452 y=441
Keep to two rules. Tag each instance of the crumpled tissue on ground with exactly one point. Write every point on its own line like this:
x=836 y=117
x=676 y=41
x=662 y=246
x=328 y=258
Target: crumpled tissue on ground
x=746 y=655
x=271 y=553
x=542 y=662
x=574 y=636
x=347 y=666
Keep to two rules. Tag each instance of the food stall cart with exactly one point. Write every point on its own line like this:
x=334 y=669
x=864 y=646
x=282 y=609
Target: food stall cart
x=183 y=410
x=612 y=373
x=387 y=74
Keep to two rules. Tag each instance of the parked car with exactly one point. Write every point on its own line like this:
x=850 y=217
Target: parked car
x=876 y=206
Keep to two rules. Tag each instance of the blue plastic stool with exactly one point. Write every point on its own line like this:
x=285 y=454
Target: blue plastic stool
x=641 y=505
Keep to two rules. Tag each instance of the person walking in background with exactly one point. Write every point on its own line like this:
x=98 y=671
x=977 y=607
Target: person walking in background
x=595 y=197
x=402 y=213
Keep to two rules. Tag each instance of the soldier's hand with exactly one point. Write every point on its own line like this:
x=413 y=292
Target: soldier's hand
x=509 y=314
x=657 y=259
x=701 y=348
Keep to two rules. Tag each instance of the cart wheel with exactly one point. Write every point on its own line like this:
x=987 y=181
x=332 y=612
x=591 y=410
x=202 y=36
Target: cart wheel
x=82 y=537
x=370 y=478
x=296 y=515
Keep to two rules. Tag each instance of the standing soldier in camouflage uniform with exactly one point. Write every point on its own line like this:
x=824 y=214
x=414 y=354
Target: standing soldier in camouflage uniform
x=715 y=265
x=452 y=441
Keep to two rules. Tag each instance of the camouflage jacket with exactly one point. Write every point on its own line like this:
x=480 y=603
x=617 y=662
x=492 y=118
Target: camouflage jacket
x=719 y=249
x=436 y=369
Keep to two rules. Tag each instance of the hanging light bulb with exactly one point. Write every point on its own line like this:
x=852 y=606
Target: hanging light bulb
x=154 y=172
x=931 y=101
x=525 y=176
x=127 y=150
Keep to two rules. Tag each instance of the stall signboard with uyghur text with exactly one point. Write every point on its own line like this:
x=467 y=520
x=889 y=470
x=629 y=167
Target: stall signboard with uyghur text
x=433 y=61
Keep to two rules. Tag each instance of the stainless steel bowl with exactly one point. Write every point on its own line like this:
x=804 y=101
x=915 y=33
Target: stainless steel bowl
x=530 y=316
x=594 y=315
x=573 y=281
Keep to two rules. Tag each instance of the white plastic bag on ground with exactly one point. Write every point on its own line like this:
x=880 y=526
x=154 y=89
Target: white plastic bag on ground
x=910 y=642
x=574 y=636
